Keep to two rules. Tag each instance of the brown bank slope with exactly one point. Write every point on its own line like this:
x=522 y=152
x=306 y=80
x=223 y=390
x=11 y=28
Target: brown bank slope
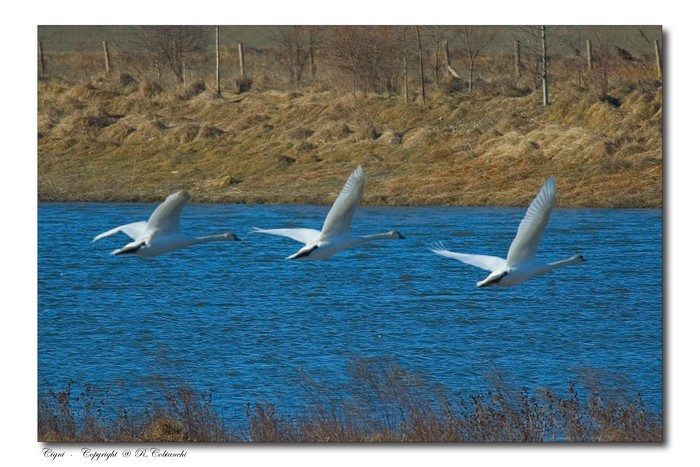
x=105 y=140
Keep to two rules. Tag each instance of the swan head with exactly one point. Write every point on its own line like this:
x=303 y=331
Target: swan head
x=578 y=259
x=230 y=236
x=395 y=234
x=181 y=195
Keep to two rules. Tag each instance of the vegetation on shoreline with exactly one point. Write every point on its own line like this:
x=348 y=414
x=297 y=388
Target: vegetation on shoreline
x=127 y=136
x=382 y=403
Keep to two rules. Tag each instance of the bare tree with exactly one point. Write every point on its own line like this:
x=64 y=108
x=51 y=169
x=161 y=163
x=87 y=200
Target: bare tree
x=572 y=37
x=347 y=47
x=474 y=39
x=368 y=54
x=603 y=63
x=389 y=40
x=439 y=41
x=534 y=42
x=174 y=47
x=313 y=34
x=293 y=48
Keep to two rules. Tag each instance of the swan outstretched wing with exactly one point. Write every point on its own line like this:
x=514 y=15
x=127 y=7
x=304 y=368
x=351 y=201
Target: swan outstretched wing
x=340 y=216
x=489 y=263
x=133 y=230
x=524 y=246
x=301 y=235
x=166 y=217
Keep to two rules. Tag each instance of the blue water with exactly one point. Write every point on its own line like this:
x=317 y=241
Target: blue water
x=238 y=319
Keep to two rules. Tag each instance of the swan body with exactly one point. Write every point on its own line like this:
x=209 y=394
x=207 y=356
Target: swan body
x=161 y=233
x=335 y=234
x=521 y=263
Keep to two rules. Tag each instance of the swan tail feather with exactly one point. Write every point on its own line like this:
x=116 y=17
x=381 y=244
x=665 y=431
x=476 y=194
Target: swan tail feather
x=129 y=249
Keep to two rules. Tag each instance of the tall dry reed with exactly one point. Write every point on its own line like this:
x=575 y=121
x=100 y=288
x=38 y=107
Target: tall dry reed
x=380 y=402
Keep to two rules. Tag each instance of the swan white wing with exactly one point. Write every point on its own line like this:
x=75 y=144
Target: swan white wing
x=524 y=246
x=300 y=235
x=133 y=230
x=489 y=263
x=166 y=217
x=340 y=216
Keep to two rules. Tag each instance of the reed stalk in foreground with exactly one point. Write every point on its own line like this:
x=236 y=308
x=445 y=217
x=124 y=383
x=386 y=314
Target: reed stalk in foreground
x=381 y=402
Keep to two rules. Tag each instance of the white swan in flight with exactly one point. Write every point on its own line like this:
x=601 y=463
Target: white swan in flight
x=335 y=234
x=162 y=231
x=520 y=264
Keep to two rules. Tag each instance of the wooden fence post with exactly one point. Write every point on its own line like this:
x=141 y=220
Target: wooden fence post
x=420 y=67
x=447 y=53
x=184 y=71
x=405 y=66
x=241 y=62
x=545 y=78
x=451 y=71
x=312 y=62
x=658 y=58
x=218 y=62
x=589 y=53
x=42 y=63
x=105 y=47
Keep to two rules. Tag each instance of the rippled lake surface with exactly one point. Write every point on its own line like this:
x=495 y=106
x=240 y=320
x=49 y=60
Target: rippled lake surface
x=239 y=319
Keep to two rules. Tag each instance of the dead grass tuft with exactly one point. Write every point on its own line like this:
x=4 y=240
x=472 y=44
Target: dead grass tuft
x=118 y=132
x=149 y=130
x=209 y=132
x=150 y=89
x=193 y=89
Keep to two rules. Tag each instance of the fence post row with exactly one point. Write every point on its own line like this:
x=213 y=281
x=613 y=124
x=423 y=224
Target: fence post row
x=517 y=46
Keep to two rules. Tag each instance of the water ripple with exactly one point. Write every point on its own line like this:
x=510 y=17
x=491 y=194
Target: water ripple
x=243 y=320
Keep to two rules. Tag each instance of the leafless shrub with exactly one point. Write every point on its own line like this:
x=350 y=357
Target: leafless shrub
x=176 y=48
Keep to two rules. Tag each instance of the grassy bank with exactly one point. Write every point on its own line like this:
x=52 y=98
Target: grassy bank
x=382 y=403
x=119 y=138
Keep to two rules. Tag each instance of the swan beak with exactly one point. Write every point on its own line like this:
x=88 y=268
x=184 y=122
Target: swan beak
x=402 y=237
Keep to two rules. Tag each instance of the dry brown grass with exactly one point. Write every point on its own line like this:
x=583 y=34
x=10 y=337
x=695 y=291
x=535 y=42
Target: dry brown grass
x=138 y=141
x=380 y=402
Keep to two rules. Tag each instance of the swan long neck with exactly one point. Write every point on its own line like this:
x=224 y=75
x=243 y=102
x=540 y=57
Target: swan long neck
x=373 y=237
x=210 y=238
